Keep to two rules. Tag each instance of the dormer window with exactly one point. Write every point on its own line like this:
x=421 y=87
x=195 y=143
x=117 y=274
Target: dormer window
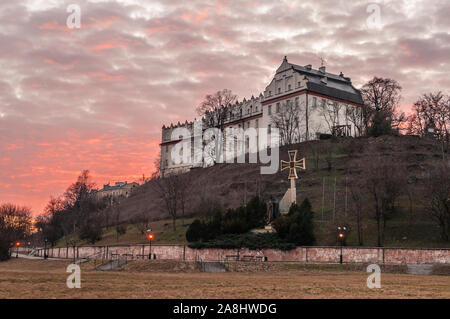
x=279 y=90
x=299 y=84
x=270 y=93
x=289 y=87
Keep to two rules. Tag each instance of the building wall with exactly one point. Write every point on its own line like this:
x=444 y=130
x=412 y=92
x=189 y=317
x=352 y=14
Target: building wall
x=300 y=254
x=287 y=84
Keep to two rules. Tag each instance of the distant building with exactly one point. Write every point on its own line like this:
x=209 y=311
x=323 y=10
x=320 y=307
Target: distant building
x=119 y=189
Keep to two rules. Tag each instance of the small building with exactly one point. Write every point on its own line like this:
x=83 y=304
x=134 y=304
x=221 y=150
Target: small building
x=119 y=189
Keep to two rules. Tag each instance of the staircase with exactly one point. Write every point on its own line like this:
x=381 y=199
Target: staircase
x=112 y=264
x=420 y=269
x=210 y=266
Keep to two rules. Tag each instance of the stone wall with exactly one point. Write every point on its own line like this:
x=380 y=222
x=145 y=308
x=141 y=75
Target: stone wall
x=300 y=254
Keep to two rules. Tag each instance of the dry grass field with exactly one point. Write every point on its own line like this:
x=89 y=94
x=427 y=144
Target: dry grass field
x=21 y=278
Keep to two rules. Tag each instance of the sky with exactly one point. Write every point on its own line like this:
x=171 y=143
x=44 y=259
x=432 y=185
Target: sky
x=96 y=97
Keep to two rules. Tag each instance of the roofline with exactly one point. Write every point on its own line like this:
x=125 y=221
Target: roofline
x=306 y=91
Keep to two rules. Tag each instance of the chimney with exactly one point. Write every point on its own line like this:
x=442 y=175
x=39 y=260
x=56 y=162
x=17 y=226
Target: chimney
x=308 y=67
x=322 y=69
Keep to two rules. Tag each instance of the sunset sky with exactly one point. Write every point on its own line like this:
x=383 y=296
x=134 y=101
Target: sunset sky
x=96 y=97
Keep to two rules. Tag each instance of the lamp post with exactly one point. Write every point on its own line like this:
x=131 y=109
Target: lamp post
x=150 y=237
x=341 y=236
x=45 y=248
x=17 y=249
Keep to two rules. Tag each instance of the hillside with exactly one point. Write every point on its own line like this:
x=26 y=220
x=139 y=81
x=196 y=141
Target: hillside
x=325 y=186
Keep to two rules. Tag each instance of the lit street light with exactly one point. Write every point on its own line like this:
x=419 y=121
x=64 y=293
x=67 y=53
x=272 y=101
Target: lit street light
x=150 y=237
x=341 y=236
x=17 y=249
x=45 y=248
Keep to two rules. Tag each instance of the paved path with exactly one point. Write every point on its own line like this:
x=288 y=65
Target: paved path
x=33 y=257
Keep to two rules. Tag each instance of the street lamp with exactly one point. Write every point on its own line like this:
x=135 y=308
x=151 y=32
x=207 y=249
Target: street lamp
x=150 y=237
x=341 y=236
x=17 y=249
x=45 y=248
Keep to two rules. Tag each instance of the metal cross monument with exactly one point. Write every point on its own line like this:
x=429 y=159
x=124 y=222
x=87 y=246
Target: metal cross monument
x=293 y=165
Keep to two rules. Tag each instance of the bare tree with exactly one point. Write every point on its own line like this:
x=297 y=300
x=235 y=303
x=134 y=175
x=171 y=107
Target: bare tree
x=157 y=164
x=436 y=197
x=142 y=222
x=355 y=115
x=357 y=211
x=431 y=111
x=168 y=188
x=215 y=107
x=185 y=183
x=330 y=113
x=286 y=119
x=381 y=98
x=385 y=181
x=15 y=225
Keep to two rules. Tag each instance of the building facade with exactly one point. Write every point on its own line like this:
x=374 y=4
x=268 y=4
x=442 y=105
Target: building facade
x=314 y=101
x=123 y=189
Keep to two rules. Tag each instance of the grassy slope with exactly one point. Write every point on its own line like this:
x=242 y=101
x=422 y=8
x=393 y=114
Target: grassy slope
x=226 y=184
x=162 y=229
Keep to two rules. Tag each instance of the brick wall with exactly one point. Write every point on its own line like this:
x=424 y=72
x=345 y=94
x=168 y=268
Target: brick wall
x=300 y=254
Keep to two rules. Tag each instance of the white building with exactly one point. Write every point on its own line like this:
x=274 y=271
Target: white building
x=324 y=103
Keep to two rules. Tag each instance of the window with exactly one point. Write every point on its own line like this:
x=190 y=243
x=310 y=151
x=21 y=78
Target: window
x=256 y=109
x=166 y=163
x=299 y=84
x=323 y=103
x=248 y=124
x=269 y=110
x=256 y=123
x=278 y=107
x=279 y=90
x=269 y=128
x=270 y=93
x=289 y=87
x=296 y=122
x=314 y=102
x=296 y=101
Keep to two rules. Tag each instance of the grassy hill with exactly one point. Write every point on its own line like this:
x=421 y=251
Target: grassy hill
x=330 y=169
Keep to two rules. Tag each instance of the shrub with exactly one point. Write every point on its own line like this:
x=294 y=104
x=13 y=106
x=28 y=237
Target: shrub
x=4 y=250
x=297 y=226
x=235 y=221
x=195 y=231
x=282 y=225
x=380 y=126
x=121 y=229
x=91 y=231
x=250 y=241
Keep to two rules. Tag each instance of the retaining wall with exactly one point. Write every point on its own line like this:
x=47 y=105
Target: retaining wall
x=300 y=254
